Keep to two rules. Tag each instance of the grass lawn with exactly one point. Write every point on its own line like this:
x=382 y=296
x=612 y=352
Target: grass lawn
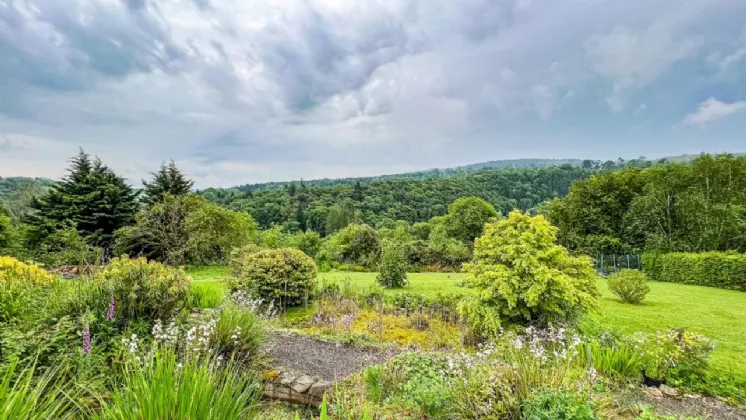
x=715 y=313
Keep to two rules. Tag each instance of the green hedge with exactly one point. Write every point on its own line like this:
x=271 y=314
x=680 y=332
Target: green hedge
x=715 y=269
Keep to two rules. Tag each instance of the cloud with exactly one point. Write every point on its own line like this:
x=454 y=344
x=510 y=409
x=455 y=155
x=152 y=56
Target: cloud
x=240 y=91
x=712 y=110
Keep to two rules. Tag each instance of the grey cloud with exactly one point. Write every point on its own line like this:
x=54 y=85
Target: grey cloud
x=297 y=84
x=135 y=4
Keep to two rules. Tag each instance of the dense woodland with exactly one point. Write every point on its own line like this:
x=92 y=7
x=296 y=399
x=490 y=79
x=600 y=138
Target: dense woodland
x=299 y=206
x=610 y=207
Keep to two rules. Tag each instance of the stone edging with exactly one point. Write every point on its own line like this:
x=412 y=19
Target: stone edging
x=303 y=390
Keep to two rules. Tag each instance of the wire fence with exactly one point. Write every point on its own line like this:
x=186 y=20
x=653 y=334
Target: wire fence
x=612 y=263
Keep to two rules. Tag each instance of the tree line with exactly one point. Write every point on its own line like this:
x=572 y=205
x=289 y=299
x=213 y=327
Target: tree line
x=667 y=207
x=326 y=209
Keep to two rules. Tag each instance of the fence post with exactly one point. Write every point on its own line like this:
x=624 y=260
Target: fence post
x=601 y=267
x=628 y=266
x=615 y=270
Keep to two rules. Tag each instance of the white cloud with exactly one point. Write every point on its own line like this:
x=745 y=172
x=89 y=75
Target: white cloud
x=239 y=91
x=712 y=110
x=633 y=58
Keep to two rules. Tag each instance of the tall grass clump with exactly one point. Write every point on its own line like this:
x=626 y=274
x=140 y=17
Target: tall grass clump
x=195 y=388
x=22 y=396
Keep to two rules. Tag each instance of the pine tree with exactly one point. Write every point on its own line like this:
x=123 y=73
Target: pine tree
x=95 y=199
x=168 y=180
x=357 y=192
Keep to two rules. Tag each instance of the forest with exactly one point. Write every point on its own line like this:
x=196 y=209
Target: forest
x=298 y=206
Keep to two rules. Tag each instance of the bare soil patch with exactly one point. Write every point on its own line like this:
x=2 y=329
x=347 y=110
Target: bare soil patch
x=302 y=355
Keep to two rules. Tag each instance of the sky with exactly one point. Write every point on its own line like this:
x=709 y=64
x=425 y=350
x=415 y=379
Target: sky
x=242 y=91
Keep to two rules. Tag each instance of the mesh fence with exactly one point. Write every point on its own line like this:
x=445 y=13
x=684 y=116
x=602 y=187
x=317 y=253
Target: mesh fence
x=612 y=263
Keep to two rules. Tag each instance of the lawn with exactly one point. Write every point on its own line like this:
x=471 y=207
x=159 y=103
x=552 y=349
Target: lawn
x=715 y=313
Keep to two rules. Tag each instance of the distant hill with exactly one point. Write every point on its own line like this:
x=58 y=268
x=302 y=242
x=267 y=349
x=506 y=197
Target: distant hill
x=421 y=175
x=12 y=185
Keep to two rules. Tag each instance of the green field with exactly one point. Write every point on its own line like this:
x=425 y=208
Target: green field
x=715 y=313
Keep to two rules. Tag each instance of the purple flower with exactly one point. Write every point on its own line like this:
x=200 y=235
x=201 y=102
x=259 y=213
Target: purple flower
x=110 y=312
x=86 y=339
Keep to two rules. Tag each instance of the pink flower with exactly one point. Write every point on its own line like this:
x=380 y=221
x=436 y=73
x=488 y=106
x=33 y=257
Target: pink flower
x=86 y=339
x=110 y=312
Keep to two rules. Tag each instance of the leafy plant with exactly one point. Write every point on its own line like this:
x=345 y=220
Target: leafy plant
x=620 y=361
x=285 y=276
x=663 y=351
x=521 y=276
x=629 y=285
x=559 y=405
x=392 y=272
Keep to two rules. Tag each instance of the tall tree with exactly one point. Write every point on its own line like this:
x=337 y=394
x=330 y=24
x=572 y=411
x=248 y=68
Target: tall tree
x=168 y=180
x=92 y=197
x=467 y=216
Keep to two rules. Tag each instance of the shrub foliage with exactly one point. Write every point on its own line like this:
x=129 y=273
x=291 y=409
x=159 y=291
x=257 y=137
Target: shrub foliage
x=285 y=276
x=725 y=270
x=392 y=272
x=521 y=276
x=143 y=289
x=630 y=286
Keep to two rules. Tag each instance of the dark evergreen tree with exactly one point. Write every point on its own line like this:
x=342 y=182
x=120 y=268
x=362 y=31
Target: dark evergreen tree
x=168 y=180
x=92 y=197
x=357 y=193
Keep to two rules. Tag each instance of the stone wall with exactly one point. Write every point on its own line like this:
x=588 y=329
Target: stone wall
x=293 y=389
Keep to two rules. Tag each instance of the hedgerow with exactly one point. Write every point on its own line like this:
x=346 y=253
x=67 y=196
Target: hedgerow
x=725 y=270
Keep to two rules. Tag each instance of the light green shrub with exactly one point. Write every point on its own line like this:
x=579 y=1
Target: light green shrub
x=284 y=276
x=522 y=276
x=630 y=286
x=143 y=289
x=22 y=287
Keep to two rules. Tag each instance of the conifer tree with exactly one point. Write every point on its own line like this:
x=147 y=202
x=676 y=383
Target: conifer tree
x=92 y=197
x=168 y=180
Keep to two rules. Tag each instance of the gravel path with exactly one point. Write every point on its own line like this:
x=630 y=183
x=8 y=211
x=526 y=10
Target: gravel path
x=298 y=354
x=695 y=406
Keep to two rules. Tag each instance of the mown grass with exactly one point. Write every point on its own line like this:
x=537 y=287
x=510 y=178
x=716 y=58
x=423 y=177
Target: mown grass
x=715 y=313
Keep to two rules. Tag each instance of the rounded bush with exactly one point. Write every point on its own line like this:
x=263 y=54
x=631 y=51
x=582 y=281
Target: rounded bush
x=523 y=277
x=284 y=276
x=145 y=290
x=630 y=286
